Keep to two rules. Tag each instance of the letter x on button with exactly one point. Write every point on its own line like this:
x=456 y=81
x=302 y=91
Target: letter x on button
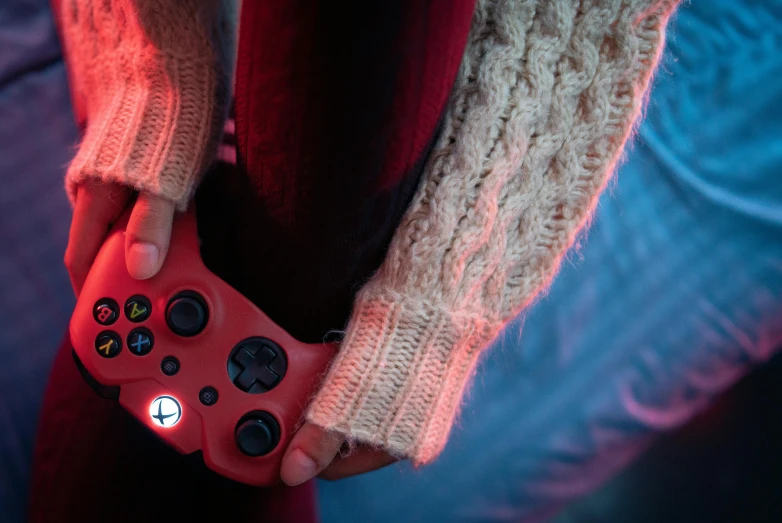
x=140 y=341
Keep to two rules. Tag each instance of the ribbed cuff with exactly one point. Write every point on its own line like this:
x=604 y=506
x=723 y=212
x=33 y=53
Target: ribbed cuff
x=399 y=377
x=153 y=132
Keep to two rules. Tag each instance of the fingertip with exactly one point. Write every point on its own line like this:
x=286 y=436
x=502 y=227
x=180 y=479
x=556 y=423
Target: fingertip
x=143 y=260
x=310 y=451
x=297 y=468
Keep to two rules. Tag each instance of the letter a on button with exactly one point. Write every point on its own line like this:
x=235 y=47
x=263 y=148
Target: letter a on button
x=137 y=311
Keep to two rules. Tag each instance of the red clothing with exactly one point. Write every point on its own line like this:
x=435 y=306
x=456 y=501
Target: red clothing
x=336 y=106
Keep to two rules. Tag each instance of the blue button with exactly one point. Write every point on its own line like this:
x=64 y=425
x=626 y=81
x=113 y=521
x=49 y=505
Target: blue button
x=140 y=341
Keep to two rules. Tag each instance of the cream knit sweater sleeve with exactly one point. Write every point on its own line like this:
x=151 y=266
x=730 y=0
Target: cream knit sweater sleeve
x=152 y=79
x=546 y=98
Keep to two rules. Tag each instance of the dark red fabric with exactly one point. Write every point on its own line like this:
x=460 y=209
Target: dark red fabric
x=337 y=106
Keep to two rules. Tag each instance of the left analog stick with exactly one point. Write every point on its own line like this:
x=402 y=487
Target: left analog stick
x=186 y=314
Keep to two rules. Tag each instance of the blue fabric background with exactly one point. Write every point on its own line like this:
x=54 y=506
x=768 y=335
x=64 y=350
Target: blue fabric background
x=36 y=138
x=674 y=294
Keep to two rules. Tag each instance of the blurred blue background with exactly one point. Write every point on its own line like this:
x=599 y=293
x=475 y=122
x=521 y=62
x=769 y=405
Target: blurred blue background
x=672 y=297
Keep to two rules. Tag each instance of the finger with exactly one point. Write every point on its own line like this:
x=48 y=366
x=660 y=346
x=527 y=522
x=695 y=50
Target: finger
x=98 y=205
x=148 y=235
x=361 y=461
x=310 y=451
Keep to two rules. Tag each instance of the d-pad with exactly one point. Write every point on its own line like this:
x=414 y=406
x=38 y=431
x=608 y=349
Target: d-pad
x=257 y=365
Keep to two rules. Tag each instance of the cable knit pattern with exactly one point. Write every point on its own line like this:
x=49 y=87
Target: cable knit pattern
x=153 y=79
x=545 y=100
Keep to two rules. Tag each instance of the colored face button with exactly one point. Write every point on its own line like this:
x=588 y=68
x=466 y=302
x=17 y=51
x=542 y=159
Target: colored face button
x=108 y=344
x=105 y=311
x=137 y=309
x=140 y=341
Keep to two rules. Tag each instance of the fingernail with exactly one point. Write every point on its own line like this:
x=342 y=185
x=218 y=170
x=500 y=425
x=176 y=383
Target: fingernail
x=142 y=260
x=299 y=468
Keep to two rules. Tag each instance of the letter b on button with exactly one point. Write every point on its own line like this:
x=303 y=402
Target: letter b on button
x=105 y=311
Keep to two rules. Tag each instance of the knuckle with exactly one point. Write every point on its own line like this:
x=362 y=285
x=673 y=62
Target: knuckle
x=317 y=448
x=322 y=461
x=148 y=214
x=319 y=456
x=70 y=259
x=149 y=220
x=322 y=447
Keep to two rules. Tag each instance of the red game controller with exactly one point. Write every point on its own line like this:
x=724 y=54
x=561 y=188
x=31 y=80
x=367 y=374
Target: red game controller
x=193 y=359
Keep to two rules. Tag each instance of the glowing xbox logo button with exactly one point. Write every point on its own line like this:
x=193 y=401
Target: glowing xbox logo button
x=165 y=411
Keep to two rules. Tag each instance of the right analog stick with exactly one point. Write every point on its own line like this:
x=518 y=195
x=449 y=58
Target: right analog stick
x=257 y=434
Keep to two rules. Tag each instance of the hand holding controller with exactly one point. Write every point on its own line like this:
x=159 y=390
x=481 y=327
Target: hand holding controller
x=193 y=359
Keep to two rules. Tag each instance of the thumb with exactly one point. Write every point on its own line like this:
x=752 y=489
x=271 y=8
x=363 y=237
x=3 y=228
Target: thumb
x=147 y=235
x=309 y=452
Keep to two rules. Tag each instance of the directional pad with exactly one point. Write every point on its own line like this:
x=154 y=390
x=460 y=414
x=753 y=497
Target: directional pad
x=257 y=365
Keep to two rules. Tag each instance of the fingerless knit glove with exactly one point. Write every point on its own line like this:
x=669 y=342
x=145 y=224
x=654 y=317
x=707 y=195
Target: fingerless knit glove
x=152 y=80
